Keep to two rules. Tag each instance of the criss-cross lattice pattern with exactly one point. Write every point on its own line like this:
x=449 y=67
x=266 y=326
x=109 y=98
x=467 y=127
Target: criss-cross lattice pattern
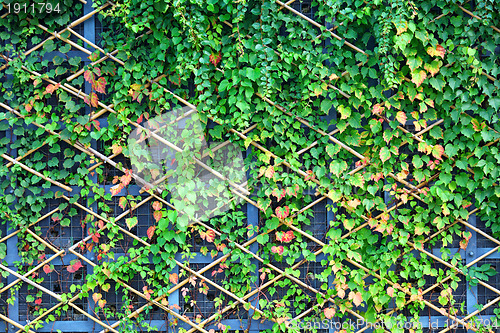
x=201 y=295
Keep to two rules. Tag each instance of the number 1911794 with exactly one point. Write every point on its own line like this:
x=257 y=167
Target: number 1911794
x=34 y=8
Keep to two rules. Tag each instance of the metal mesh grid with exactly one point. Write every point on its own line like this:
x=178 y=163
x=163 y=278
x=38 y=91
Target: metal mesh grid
x=302 y=6
x=110 y=171
x=4 y=306
x=204 y=303
x=79 y=28
x=485 y=295
x=144 y=214
x=55 y=230
x=59 y=160
x=319 y=223
x=308 y=272
x=99 y=29
x=114 y=298
x=459 y=295
x=57 y=281
x=482 y=241
x=194 y=239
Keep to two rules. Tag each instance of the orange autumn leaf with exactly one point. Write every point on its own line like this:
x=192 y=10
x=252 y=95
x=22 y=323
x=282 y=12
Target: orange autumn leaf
x=329 y=312
x=464 y=242
x=51 y=88
x=288 y=236
x=356 y=297
x=377 y=109
x=89 y=76
x=438 y=51
x=437 y=151
x=157 y=205
x=122 y=202
x=116 y=149
x=401 y=117
x=157 y=215
x=282 y=212
x=151 y=231
x=91 y=99
x=174 y=278
x=269 y=172
x=96 y=297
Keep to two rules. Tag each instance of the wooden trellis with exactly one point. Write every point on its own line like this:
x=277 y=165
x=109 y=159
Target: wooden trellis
x=97 y=323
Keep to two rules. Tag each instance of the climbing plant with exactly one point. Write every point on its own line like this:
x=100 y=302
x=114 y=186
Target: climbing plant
x=386 y=111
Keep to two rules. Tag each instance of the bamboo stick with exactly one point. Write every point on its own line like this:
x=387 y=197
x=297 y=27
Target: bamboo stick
x=36 y=285
x=31 y=271
x=8 y=158
x=319 y=26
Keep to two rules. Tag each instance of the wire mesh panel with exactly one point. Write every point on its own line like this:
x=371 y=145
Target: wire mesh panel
x=442 y=293
x=64 y=101
x=484 y=294
x=201 y=299
x=34 y=302
x=64 y=228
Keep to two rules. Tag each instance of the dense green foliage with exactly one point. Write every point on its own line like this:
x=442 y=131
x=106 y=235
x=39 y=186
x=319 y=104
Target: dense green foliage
x=409 y=90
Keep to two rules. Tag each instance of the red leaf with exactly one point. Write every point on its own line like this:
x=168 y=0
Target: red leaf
x=309 y=176
x=126 y=178
x=282 y=212
x=28 y=107
x=139 y=120
x=97 y=71
x=92 y=99
x=436 y=52
x=465 y=241
x=288 y=236
x=47 y=269
x=215 y=58
x=100 y=85
x=95 y=237
x=174 y=278
x=116 y=149
x=390 y=291
x=157 y=205
x=89 y=76
x=96 y=297
x=277 y=249
x=210 y=236
x=38 y=301
x=151 y=231
x=157 y=215
x=51 y=88
x=116 y=189
x=74 y=267
x=377 y=109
